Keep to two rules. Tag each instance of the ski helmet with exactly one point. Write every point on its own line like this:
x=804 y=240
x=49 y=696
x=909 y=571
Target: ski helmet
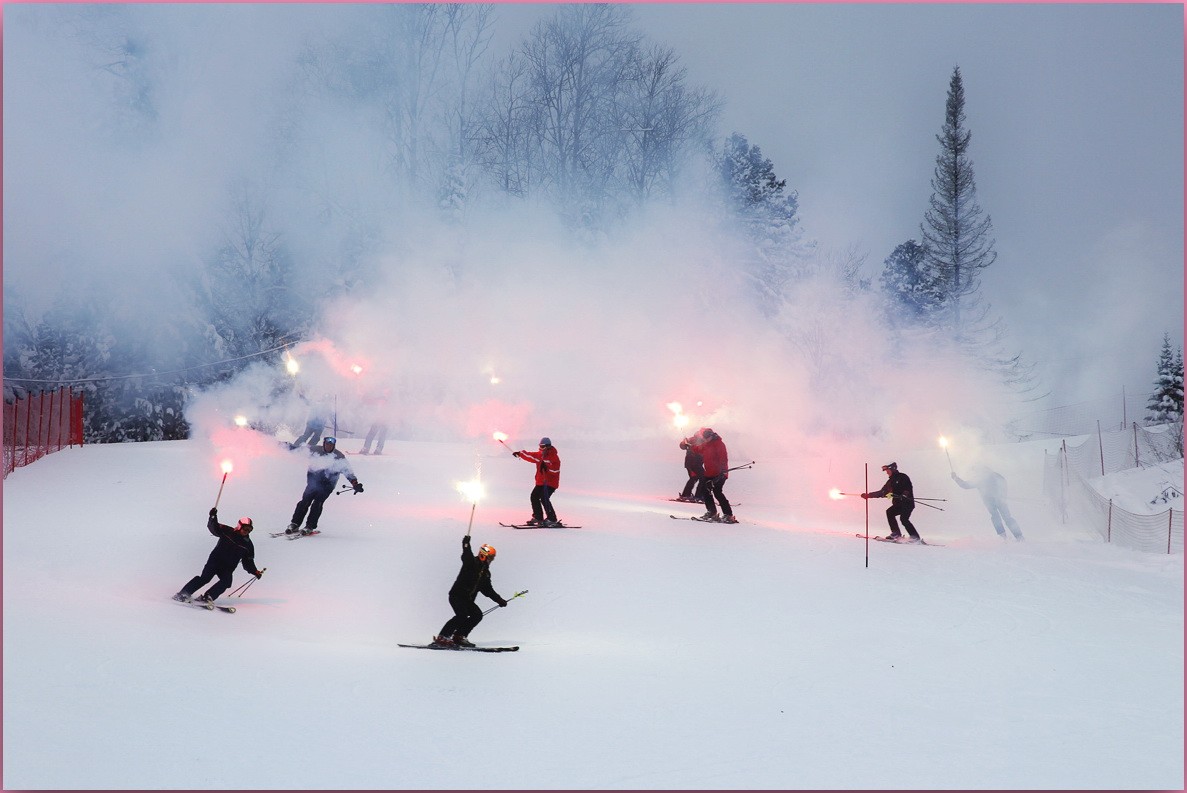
x=890 y=468
x=245 y=526
x=546 y=441
x=486 y=553
x=329 y=440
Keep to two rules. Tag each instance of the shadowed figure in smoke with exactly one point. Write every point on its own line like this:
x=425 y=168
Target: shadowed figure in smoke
x=992 y=487
x=326 y=465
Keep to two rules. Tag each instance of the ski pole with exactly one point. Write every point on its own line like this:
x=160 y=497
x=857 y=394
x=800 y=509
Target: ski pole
x=919 y=498
x=738 y=467
x=243 y=587
x=933 y=506
x=344 y=490
x=513 y=597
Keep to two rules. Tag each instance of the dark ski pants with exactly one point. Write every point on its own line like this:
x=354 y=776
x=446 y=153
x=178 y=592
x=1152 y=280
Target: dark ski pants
x=542 y=502
x=466 y=615
x=904 y=514
x=312 y=434
x=695 y=479
x=713 y=487
x=311 y=501
x=213 y=568
x=378 y=432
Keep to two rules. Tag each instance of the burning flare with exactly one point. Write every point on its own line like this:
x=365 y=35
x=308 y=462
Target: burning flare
x=836 y=493
x=500 y=436
x=290 y=363
x=226 y=467
x=472 y=490
x=241 y=421
x=944 y=442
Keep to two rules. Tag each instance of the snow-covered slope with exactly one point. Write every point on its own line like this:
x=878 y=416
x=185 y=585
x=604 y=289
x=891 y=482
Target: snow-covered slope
x=656 y=653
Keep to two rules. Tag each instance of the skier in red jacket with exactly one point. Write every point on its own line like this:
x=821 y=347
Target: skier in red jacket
x=717 y=463
x=548 y=479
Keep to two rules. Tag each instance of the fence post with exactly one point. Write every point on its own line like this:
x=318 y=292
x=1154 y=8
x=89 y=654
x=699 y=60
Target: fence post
x=28 y=402
x=1100 y=444
x=1136 y=462
x=1109 y=529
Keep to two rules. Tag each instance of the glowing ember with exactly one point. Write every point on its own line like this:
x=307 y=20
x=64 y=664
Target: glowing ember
x=943 y=441
x=356 y=369
x=835 y=493
x=499 y=436
x=291 y=365
x=241 y=421
x=226 y=466
x=472 y=490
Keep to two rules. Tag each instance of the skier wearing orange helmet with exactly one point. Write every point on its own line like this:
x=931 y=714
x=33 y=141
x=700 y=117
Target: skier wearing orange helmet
x=473 y=578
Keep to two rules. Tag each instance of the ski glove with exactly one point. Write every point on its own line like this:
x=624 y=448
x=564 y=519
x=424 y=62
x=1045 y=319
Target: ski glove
x=258 y=574
x=514 y=454
x=213 y=512
x=865 y=495
x=358 y=486
x=502 y=603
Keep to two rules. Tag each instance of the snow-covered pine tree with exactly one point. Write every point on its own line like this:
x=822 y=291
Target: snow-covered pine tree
x=1166 y=403
x=913 y=289
x=768 y=217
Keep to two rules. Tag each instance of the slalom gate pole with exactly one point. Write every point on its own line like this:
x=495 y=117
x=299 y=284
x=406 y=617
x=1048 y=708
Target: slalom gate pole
x=513 y=597
x=867 y=515
x=220 y=490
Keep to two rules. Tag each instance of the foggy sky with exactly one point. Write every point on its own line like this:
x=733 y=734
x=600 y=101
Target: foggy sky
x=1076 y=115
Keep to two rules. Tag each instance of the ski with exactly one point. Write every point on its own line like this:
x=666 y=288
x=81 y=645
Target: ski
x=900 y=542
x=701 y=501
x=700 y=520
x=207 y=606
x=525 y=526
x=296 y=536
x=462 y=649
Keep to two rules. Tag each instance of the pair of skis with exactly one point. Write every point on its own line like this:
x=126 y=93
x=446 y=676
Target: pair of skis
x=296 y=536
x=462 y=649
x=527 y=526
x=208 y=606
x=899 y=542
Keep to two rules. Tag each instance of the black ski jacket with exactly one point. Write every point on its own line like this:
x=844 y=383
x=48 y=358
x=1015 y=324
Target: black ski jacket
x=899 y=488
x=232 y=547
x=474 y=577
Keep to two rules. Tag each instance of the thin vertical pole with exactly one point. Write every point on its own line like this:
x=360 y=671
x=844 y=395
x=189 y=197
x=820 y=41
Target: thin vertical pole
x=867 y=489
x=1136 y=461
x=42 y=427
x=28 y=421
x=1170 y=524
x=1109 y=526
x=1100 y=444
x=1124 y=419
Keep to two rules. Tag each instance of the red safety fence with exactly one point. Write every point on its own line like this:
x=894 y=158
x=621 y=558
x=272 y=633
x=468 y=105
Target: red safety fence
x=34 y=426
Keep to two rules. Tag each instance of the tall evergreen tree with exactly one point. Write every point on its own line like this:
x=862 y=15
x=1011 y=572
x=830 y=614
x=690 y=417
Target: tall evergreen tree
x=956 y=233
x=1166 y=403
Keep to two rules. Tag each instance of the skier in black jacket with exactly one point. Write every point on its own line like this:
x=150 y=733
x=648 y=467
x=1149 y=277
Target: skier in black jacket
x=473 y=578
x=325 y=466
x=694 y=463
x=234 y=547
x=902 y=496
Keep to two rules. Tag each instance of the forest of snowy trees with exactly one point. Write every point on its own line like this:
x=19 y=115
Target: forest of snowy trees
x=583 y=118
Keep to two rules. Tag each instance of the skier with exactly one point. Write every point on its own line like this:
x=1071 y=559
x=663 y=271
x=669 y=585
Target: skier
x=548 y=479
x=902 y=495
x=694 y=463
x=473 y=578
x=234 y=547
x=992 y=487
x=327 y=465
x=716 y=459
x=315 y=424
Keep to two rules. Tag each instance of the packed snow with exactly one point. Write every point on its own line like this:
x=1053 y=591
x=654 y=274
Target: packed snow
x=655 y=653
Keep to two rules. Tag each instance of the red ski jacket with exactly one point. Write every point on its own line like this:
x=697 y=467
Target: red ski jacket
x=716 y=457
x=548 y=465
